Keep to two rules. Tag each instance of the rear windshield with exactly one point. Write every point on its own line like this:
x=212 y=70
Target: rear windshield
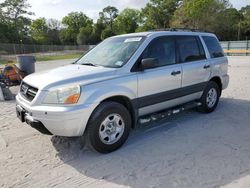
x=213 y=46
x=113 y=52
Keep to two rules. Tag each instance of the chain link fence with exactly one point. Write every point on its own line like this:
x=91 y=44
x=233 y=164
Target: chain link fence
x=10 y=50
x=15 y=49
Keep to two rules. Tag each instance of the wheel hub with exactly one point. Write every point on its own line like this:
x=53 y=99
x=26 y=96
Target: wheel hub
x=211 y=97
x=111 y=129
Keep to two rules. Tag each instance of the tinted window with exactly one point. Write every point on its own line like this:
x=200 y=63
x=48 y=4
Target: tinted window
x=213 y=46
x=163 y=49
x=190 y=48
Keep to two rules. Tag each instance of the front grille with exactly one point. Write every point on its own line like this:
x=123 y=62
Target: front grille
x=28 y=92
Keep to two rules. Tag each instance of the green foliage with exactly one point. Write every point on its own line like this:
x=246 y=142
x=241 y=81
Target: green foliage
x=158 y=13
x=106 y=33
x=14 y=13
x=57 y=57
x=108 y=16
x=227 y=25
x=39 y=31
x=216 y=16
x=85 y=34
x=73 y=22
x=245 y=23
x=97 y=30
x=15 y=9
x=54 y=27
x=198 y=14
x=127 y=21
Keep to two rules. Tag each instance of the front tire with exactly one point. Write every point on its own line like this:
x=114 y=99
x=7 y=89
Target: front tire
x=210 y=98
x=108 y=127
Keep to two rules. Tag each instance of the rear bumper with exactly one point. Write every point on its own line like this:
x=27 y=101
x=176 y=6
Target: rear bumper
x=57 y=120
x=225 y=81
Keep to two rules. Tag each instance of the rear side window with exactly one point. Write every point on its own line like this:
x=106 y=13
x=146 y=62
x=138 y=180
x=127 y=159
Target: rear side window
x=213 y=46
x=190 y=48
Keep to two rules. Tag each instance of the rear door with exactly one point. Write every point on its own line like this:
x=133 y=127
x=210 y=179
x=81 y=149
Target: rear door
x=195 y=66
x=218 y=62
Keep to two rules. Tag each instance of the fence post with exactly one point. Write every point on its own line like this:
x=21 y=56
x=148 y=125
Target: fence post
x=228 y=48
x=247 y=47
x=14 y=48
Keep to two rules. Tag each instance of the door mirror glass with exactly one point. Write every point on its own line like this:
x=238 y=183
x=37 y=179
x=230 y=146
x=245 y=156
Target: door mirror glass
x=149 y=63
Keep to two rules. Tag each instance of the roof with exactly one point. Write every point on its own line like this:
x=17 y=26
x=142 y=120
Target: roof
x=166 y=32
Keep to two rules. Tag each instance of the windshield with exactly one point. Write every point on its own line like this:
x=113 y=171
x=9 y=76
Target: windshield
x=113 y=52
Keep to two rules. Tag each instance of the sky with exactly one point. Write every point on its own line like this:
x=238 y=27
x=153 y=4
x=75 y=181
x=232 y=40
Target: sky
x=59 y=8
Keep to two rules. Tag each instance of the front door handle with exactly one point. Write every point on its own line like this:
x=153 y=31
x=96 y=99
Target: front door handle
x=206 y=66
x=174 y=73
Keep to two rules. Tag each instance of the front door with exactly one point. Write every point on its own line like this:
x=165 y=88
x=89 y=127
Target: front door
x=156 y=86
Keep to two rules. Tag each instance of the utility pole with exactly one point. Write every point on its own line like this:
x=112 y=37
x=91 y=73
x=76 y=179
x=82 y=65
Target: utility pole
x=239 y=30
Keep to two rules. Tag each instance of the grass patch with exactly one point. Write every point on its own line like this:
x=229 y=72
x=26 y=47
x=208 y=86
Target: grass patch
x=48 y=57
x=57 y=57
x=3 y=62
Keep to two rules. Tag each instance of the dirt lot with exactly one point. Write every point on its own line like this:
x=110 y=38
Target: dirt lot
x=191 y=150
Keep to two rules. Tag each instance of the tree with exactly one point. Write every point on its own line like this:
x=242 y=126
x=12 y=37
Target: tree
x=98 y=28
x=85 y=35
x=73 y=22
x=54 y=24
x=199 y=14
x=1 y=15
x=158 y=13
x=39 y=31
x=226 y=27
x=244 y=25
x=6 y=33
x=109 y=14
x=127 y=21
x=15 y=14
x=106 y=33
x=54 y=27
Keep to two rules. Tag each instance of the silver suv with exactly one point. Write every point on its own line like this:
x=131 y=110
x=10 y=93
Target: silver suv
x=103 y=94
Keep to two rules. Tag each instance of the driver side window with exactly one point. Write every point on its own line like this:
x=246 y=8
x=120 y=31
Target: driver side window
x=163 y=49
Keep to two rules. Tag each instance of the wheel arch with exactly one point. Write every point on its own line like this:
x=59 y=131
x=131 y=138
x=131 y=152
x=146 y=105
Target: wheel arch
x=218 y=81
x=127 y=103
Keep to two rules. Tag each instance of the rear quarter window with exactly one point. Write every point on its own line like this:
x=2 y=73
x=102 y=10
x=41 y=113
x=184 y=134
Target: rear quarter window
x=213 y=46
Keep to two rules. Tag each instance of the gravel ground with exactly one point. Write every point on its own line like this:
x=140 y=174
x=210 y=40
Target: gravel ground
x=190 y=150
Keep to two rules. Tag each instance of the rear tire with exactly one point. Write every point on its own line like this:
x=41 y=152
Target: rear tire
x=210 y=98
x=108 y=127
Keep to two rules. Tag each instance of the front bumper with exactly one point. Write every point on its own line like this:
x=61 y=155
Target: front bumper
x=24 y=117
x=57 y=120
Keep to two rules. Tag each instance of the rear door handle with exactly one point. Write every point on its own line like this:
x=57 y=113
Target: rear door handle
x=206 y=66
x=174 y=73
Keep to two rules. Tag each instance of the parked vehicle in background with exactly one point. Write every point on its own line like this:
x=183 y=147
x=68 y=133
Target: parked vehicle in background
x=102 y=95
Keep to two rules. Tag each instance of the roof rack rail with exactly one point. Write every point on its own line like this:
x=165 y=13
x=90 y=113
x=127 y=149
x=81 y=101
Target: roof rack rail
x=179 y=29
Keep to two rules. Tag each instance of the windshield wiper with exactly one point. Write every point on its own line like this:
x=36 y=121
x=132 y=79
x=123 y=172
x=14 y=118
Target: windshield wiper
x=89 y=64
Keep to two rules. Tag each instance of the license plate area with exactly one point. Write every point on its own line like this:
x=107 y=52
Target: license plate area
x=20 y=113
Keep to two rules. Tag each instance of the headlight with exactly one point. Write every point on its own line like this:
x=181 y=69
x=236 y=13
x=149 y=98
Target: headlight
x=65 y=95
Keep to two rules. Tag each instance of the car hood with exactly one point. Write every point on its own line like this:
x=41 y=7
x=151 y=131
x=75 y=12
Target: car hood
x=81 y=74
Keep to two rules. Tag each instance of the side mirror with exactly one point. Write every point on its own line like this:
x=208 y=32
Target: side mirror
x=149 y=63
